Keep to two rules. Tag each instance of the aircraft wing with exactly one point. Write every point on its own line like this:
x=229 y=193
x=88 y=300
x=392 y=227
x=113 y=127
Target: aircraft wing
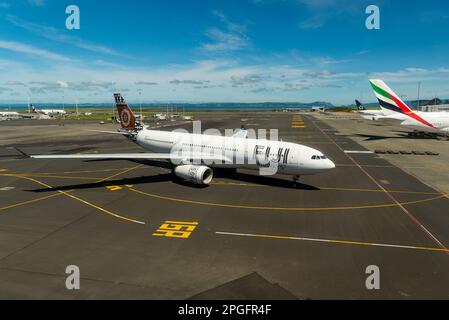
x=137 y=156
x=111 y=132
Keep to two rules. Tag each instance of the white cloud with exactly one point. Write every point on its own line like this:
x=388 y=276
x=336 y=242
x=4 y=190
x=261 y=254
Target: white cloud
x=145 y=83
x=227 y=81
x=224 y=41
x=234 y=38
x=31 y=50
x=59 y=36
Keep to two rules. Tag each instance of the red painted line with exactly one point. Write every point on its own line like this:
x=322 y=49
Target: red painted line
x=407 y=212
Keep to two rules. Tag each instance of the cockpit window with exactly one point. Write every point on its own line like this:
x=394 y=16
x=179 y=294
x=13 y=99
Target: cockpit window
x=314 y=158
x=323 y=158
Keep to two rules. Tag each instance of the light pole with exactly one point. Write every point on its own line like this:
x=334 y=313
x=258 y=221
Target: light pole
x=140 y=101
x=419 y=94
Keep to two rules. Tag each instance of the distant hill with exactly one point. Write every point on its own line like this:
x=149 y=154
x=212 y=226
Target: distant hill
x=186 y=106
x=411 y=103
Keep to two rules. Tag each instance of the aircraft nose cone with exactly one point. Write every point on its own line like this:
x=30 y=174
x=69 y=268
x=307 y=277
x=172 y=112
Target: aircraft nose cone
x=330 y=165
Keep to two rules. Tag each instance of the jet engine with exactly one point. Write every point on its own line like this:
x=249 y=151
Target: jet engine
x=196 y=174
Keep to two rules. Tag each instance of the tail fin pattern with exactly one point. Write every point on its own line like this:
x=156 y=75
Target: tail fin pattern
x=360 y=105
x=127 y=118
x=389 y=100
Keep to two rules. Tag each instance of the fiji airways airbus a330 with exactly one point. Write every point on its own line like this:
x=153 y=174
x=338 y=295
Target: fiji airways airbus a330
x=194 y=155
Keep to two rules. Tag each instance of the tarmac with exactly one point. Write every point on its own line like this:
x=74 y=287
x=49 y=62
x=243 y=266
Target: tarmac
x=137 y=233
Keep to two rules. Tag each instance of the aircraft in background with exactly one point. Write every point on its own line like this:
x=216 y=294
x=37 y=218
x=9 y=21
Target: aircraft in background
x=194 y=155
x=369 y=114
x=432 y=123
x=49 y=112
x=160 y=117
x=9 y=114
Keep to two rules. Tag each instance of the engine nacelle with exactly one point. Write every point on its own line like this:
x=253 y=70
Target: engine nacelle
x=196 y=174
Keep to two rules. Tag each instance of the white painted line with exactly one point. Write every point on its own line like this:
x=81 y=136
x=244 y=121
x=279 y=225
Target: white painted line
x=341 y=242
x=359 y=152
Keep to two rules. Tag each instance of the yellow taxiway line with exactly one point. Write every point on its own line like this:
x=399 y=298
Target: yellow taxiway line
x=67 y=193
x=286 y=209
x=29 y=201
x=238 y=184
x=342 y=242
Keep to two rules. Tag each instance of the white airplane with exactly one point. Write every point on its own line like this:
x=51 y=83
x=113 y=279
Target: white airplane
x=9 y=114
x=49 y=112
x=428 y=122
x=369 y=114
x=194 y=155
x=160 y=117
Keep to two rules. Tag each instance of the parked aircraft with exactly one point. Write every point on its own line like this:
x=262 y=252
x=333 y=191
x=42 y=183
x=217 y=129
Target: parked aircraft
x=435 y=123
x=194 y=155
x=49 y=112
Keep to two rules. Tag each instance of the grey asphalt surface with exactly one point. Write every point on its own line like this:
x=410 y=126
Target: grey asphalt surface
x=254 y=237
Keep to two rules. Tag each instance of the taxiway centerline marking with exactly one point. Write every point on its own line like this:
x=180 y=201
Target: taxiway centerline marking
x=29 y=201
x=342 y=242
x=266 y=208
x=67 y=193
x=47 y=176
x=85 y=202
x=222 y=183
x=120 y=173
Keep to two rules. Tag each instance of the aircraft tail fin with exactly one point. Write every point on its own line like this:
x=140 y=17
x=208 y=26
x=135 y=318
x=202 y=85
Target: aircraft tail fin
x=388 y=99
x=360 y=106
x=126 y=116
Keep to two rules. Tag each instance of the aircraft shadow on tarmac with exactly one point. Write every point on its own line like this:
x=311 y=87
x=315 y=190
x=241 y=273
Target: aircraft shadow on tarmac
x=219 y=173
x=401 y=135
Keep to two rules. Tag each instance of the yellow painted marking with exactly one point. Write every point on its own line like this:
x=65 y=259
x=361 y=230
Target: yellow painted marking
x=84 y=171
x=48 y=176
x=342 y=242
x=122 y=172
x=298 y=127
x=114 y=188
x=3 y=170
x=176 y=229
x=223 y=183
x=267 y=208
x=182 y=222
x=86 y=202
x=29 y=201
x=59 y=193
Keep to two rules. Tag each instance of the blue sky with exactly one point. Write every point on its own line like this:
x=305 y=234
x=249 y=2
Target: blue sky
x=221 y=51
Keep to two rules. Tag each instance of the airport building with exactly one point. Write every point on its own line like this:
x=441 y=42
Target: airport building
x=435 y=108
